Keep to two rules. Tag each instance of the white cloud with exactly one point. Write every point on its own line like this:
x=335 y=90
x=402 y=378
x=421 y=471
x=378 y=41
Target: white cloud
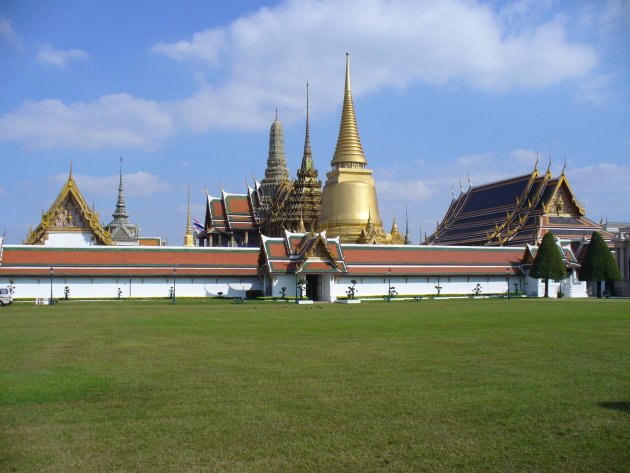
x=474 y=160
x=595 y=186
x=136 y=184
x=596 y=90
x=55 y=57
x=525 y=156
x=9 y=34
x=113 y=120
x=403 y=191
x=602 y=178
x=613 y=14
x=204 y=46
x=261 y=61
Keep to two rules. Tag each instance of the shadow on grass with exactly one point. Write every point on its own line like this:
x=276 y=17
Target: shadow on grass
x=623 y=406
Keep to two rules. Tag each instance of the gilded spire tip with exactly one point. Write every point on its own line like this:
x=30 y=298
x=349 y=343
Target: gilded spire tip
x=349 y=149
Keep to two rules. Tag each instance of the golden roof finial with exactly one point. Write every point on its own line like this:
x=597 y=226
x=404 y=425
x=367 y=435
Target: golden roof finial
x=370 y=225
x=564 y=167
x=188 y=238
x=301 y=228
x=348 y=143
x=394 y=229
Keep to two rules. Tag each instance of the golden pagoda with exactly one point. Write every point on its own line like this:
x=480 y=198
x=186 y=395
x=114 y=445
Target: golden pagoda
x=188 y=236
x=349 y=196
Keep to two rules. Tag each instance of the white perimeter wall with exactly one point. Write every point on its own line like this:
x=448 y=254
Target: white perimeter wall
x=332 y=287
x=419 y=285
x=86 y=288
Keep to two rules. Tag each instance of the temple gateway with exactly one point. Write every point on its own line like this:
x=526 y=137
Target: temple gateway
x=285 y=238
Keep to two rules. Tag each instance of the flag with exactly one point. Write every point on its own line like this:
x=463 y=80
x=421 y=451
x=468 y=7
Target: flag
x=198 y=226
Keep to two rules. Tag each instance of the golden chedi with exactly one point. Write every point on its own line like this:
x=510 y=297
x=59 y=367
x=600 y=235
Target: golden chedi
x=349 y=196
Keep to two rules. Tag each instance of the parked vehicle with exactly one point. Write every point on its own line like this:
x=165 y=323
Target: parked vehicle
x=6 y=296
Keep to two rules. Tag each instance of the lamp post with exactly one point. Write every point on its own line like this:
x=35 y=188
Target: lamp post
x=389 y=285
x=174 y=274
x=52 y=272
x=297 y=286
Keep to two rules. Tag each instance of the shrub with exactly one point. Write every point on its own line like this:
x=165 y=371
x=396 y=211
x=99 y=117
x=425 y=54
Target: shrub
x=253 y=294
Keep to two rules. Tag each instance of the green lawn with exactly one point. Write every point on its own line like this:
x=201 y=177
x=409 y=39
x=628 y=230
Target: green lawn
x=453 y=386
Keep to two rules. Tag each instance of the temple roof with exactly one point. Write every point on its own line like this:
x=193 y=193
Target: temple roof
x=301 y=252
x=126 y=261
x=568 y=256
x=431 y=260
x=304 y=253
x=231 y=212
x=69 y=213
x=515 y=211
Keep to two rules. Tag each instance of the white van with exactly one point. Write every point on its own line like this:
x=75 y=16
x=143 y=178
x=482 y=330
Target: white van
x=6 y=296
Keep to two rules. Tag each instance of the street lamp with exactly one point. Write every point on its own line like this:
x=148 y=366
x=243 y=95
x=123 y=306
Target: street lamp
x=174 y=274
x=52 y=272
x=389 y=285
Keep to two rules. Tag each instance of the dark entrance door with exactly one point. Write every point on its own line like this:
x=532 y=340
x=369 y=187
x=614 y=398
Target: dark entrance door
x=312 y=287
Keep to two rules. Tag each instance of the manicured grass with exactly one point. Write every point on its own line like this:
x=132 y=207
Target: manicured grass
x=457 y=386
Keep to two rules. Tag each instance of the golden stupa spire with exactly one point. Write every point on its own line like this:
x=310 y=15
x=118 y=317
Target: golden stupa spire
x=188 y=238
x=349 y=204
x=394 y=227
x=349 y=148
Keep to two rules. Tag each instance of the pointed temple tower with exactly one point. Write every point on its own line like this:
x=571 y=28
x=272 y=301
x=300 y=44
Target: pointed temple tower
x=408 y=240
x=276 y=173
x=188 y=237
x=122 y=232
x=349 y=195
x=305 y=202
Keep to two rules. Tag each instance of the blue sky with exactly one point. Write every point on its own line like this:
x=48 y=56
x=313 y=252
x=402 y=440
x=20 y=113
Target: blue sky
x=185 y=92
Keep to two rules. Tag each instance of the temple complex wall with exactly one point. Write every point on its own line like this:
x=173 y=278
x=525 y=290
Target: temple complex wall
x=137 y=287
x=423 y=285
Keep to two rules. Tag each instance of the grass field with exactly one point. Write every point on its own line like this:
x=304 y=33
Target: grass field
x=457 y=386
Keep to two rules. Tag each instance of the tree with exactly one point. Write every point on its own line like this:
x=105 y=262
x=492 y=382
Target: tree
x=548 y=263
x=598 y=264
